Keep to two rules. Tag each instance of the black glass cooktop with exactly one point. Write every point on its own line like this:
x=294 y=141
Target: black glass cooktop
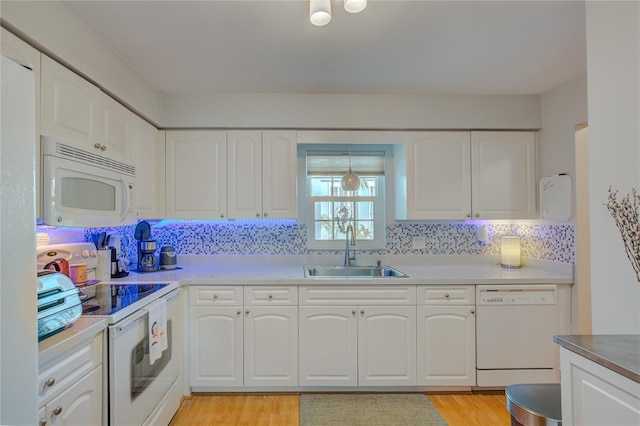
x=111 y=298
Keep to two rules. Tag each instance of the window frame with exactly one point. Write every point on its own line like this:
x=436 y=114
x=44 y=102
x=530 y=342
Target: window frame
x=306 y=210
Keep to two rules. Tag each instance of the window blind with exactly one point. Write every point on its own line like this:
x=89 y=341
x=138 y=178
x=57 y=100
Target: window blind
x=337 y=163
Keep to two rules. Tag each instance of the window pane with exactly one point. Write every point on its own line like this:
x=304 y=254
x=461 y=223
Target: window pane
x=323 y=210
x=364 y=210
x=321 y=186
x=365 y=230
x=367 y=187
x=324 y=230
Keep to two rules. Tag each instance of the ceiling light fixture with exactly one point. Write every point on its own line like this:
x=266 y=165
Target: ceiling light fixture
x=350 y=181
x=320 y=10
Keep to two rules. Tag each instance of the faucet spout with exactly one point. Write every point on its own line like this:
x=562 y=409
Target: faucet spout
x=348 y=255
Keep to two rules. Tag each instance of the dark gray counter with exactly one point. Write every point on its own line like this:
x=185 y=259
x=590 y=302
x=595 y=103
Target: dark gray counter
x=619 y=353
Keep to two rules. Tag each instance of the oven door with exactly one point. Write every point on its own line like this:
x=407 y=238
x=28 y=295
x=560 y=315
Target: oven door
x=135 y=386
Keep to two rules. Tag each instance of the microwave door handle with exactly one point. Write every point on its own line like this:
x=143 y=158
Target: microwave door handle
x=126 y=198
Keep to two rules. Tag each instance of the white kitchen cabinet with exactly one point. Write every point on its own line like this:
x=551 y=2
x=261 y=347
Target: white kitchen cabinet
x=446 y=330
x=262 y=174
x=595 y=395
x=80 y=404
x=216 y=346
x=148 y=158
x=196 y=174
x=386 y=345
x=465 y=175
x=437 y=167
x=446 y=346
x=328 y=346
x=75 y=111
x=70 y=385
x=353 y=336
x=503 y=178
x=20 y=52
x=271 y=346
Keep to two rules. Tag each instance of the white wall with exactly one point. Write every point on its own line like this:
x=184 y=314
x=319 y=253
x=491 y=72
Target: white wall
x=613 y=67
x=54 y=30
x=351 y=111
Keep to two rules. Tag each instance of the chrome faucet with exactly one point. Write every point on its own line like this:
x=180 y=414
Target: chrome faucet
x=349 y=256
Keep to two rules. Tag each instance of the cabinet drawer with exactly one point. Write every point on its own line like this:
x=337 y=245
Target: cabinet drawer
x=357 y=295
x=270 y=295
x=60 y=373
x=220 y=295
x=446 y=295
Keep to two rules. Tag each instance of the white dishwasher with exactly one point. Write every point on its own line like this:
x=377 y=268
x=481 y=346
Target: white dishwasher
x=515 y=325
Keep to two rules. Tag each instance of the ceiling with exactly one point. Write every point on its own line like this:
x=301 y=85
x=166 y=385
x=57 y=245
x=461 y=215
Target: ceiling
x=393 y=46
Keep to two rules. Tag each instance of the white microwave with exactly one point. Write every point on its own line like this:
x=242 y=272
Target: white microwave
x=83 y=189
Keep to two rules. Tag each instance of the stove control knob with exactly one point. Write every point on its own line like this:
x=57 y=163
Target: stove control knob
x=85 y=253
x=93 y=253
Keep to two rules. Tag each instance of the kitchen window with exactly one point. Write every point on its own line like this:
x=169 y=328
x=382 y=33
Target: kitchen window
x=327 y=209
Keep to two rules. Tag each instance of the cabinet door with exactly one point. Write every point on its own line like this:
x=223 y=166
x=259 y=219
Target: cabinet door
x=271 y=346
x=386 y=345
x=438 y=176
x=117 y=134
x=328 y=346
x=80 y=404
x=503 y=175
x=148 y=158
x=279 y=175
x=215 y=346
x=71 y=109
x=446 y=346
x=196 y=174
x=244 y=159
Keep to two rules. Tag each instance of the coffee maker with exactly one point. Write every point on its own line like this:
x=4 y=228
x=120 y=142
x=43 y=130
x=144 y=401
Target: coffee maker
x=147 y=260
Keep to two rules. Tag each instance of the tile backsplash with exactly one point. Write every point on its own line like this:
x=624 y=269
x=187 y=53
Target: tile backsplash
x=539 y=241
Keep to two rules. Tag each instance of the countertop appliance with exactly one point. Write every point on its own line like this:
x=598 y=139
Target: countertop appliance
x=58 y=303
x=168 y=258
x=83 y=189
x=515 y=325
x=73 y=253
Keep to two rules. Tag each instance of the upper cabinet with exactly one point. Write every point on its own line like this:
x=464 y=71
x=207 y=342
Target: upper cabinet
x=466 y=175
x=262 y=174
x=503 y=175
x=74 y=110
x=196 y=174
x=148 y=158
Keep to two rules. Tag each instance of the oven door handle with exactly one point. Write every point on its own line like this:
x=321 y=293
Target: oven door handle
x=125 y=325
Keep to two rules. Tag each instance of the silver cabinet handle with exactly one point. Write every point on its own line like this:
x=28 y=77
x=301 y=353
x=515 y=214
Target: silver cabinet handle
x=58 y=410
x=50 y=382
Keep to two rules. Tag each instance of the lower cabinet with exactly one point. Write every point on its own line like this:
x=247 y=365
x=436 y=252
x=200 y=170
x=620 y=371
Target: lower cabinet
x=446 y=346
x=243 y=344
x=70 y=386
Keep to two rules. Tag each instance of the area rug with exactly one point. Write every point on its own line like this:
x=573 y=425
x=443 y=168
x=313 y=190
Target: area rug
x=368 y=410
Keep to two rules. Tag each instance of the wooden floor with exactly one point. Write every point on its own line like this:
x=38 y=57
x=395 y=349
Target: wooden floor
x=282 y=410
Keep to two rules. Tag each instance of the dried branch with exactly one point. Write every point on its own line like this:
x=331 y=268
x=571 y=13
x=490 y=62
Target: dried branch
x=625 y=214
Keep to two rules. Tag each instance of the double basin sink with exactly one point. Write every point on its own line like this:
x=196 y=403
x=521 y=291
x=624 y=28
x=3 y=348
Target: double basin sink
x=378 y=271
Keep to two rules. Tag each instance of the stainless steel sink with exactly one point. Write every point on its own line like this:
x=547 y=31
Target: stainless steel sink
x=353 y=272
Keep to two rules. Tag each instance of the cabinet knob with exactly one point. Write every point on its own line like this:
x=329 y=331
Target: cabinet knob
x=215 y=296
x=103 y=148
x=473 y=311
x=50 y=382
x=58 y=410
x=265 y=214
x=477 y=214
x=239 y=312
x=270 y=296
x=257 y=214
x=43 y=421
x=469 y=215
x=353 y=312
x=222 y=215
x=362 y=312
x=97 y=146
x=246 y=312
x=446 y=295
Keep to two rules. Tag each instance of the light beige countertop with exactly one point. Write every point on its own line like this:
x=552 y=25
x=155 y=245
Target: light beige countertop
x=83 y=329
x=277 y=272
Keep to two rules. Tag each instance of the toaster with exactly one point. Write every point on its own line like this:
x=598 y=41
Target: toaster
x=59 y=304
